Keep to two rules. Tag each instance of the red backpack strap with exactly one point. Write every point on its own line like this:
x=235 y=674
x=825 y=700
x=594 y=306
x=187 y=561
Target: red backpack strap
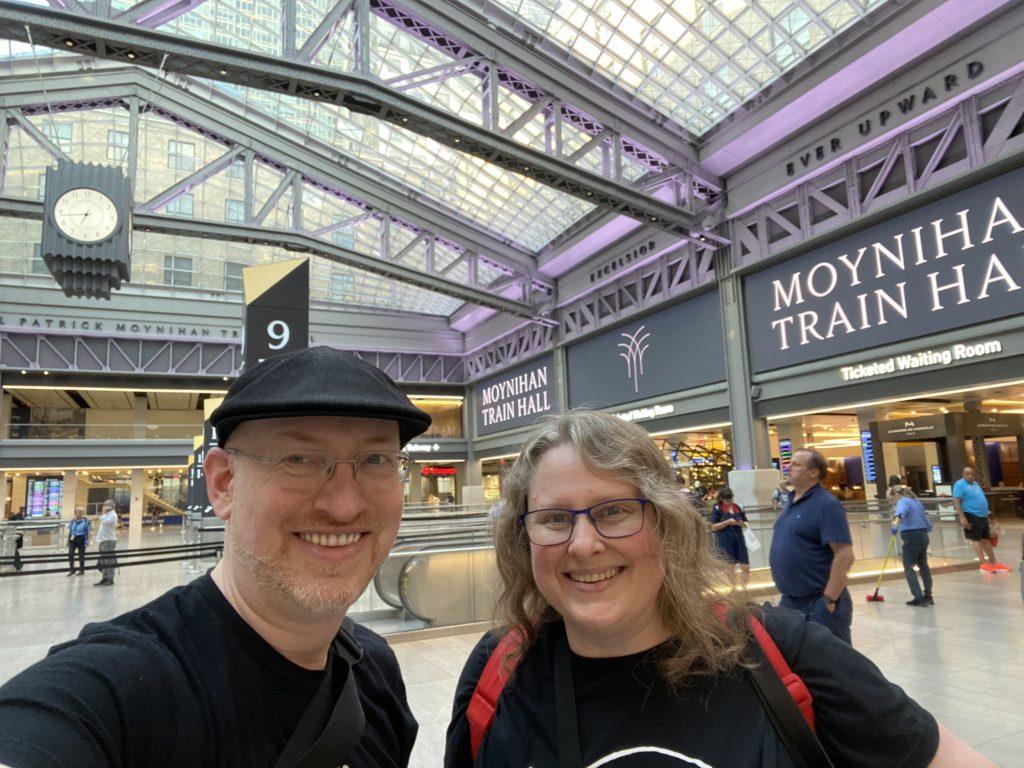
x=794 y=684
x=797 y=690
x=484 y=700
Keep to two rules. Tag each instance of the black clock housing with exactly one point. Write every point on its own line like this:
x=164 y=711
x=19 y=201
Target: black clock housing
x=87 y=269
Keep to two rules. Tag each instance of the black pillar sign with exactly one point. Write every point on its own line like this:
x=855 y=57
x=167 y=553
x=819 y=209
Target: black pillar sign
x=276 y=309
x=209 y=441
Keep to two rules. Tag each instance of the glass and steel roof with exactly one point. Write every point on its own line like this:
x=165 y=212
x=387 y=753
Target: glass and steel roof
x=695 y=61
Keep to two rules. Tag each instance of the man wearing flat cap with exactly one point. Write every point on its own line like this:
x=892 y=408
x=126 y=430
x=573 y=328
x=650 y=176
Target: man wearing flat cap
x=253 y=664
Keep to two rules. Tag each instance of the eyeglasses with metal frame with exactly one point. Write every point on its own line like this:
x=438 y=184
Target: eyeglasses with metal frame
x=613 y=519
x=369 y=467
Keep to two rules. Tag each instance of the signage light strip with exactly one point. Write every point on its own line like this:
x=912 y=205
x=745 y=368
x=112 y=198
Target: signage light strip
x=698 y=428
x=90 y=388
x=908 y=398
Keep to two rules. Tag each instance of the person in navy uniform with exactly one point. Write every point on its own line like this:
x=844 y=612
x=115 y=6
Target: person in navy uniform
x=812 y=551
x=728 y=521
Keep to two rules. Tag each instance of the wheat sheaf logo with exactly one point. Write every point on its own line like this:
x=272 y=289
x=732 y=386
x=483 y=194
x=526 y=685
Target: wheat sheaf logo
x=634 y=348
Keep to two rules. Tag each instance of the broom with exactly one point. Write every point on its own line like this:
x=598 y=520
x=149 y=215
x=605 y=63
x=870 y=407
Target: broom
x=877 y=598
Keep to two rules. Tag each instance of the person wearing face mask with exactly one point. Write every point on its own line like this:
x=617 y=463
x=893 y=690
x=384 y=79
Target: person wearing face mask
x=617 y=647
x=728 y=521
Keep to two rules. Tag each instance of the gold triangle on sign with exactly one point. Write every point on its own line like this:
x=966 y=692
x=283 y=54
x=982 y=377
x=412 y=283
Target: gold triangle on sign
x=258 y=280
x=197 y=442
x=210 y=405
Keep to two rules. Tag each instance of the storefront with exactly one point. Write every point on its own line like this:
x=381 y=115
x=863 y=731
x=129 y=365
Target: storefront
x=437 y=473
x=899 y=350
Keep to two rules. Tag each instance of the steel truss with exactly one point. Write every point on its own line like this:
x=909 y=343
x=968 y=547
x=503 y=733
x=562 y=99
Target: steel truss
x=979 y=130
x=114 y=354
x=521 y=344
x=249 y=143
x=130 y=44
x=671 y=275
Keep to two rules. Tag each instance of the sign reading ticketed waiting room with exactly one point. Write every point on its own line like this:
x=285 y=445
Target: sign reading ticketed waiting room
x=516 y=398
x=951 y=264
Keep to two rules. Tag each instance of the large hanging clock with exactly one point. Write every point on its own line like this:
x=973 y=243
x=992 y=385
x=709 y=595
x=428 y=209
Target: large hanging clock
x=86 y=238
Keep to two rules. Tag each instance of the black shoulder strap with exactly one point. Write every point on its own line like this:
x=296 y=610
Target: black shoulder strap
x=333 y=723
x=566 y=722
x=795 y=734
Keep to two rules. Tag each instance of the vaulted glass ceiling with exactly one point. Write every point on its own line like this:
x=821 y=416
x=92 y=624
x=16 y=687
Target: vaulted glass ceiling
x=695 y=61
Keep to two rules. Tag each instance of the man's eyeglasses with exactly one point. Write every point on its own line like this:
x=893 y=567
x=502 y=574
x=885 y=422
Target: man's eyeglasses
x=374 y=468
x=613 y=519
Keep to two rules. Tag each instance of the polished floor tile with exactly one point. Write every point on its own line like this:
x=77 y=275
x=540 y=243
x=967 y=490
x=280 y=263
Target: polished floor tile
x=963 y=659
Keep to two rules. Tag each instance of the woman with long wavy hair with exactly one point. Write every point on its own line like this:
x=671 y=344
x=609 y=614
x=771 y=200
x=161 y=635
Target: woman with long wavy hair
x=632 y=647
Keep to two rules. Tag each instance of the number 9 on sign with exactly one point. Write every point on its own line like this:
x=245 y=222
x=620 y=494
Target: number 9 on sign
x=278 y=332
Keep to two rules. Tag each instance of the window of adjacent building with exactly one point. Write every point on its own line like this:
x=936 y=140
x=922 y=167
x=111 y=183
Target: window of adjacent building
x=233 y=276
x=181 y=155
x=60 y=134
x=178 y=270
x=234 y=211
x=236 y=170
x=182 y=205
x=38 y=265
x=342 y=285
x=117 y=145
x=344 y=238
x=42 y=185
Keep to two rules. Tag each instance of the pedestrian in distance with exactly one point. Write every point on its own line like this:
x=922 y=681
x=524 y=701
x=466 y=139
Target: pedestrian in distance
x=106 y=537
x=617 y=648
x=78 y=540
x=912 y=523
x=256 y=662
x=728 y=521
x=812 y=551
x=972 y=511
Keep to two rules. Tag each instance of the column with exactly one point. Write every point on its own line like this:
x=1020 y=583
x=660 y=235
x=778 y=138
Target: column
x=415 y=484
x=753 y=479
x=19 y=488
x=4 y=499
x=136 y=508
x=6 y=403
x=473 y=479
x=139 y=420
x=69 y=495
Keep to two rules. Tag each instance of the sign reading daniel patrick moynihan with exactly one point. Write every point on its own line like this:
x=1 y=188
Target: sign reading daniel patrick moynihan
x=950 y=264
x=672 y=350
x=516 y=398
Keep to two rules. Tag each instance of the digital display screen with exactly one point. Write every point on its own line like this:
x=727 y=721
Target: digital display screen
x=936 y=474
x=868 y=451
x=785 y=456
x=44 y=497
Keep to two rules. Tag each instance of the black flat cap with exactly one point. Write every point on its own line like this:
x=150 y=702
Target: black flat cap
x=318 y=381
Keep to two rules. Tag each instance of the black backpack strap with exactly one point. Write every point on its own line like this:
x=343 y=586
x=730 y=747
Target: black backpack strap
x=795 y=734
x=566 y=721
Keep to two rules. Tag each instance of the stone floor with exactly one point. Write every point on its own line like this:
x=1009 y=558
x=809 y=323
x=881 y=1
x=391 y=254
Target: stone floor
x=963 y=659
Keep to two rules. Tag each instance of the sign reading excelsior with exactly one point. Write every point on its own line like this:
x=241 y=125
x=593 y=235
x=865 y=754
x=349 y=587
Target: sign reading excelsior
x=951 y=264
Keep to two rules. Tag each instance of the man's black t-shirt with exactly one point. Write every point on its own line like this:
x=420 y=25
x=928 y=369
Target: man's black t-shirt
x=630 y=718
x=184 y=681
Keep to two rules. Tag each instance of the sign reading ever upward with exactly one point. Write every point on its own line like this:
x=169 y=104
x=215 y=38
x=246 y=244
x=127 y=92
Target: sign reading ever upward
x=951 y=264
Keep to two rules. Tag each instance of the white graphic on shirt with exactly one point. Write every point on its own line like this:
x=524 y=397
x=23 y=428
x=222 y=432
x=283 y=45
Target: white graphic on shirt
x=609 y=759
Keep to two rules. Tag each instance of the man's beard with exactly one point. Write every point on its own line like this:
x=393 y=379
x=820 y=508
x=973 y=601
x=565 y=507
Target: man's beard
x=324 y=590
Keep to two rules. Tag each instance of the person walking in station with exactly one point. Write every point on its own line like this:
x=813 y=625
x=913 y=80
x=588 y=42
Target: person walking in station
x=812 y=551
x=78 y=540
x=728 y=521
x=254 y=663
x=912 y=523
x=106 y=537
x=972 y=510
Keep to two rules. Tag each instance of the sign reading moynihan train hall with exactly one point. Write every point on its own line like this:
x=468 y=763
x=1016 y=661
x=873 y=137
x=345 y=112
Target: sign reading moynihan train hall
x=951 y=264
x=516 y=398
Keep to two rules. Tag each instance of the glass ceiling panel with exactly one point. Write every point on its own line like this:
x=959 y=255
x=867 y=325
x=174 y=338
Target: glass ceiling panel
x=510 y=206
x=695 y=61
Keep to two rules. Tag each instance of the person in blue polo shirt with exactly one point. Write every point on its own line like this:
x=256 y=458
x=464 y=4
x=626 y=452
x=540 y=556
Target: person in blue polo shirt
x=972 y=510
x=812 y=550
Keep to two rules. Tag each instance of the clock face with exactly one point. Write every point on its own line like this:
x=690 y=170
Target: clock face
x=87 y=215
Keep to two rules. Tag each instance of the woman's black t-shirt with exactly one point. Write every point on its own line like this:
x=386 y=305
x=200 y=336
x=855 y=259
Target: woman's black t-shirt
x=630 y=718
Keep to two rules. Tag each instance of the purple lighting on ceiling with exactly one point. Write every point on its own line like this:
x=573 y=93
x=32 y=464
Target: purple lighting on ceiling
x=906 y=45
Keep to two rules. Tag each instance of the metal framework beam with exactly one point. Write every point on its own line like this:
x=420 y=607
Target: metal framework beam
x=122 y=42
x=83 y=90
x=113 y=354
x=522 y=343
x=299 y=243
x=981 y=130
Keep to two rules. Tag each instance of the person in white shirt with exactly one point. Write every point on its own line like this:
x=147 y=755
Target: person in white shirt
x=107 y=538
